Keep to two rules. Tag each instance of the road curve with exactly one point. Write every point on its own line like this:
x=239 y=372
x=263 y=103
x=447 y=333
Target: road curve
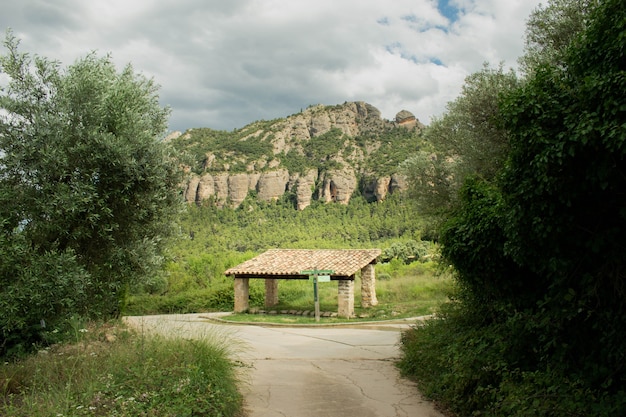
x=309 y=371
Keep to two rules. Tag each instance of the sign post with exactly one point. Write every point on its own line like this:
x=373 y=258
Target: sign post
x=317 y=275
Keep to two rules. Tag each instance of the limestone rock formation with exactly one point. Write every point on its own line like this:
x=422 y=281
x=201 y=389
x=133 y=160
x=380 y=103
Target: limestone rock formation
x=398 y=183
x=256 y=157
x=407 y=119
x=272 y=185
x=339 y=185
x=206 y=188
x=220 y=182
x=305 y=185
x=381 y=187
x=237 y=188
x=192 y=188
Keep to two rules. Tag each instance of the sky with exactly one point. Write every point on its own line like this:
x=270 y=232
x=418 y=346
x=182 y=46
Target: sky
x=225 y=63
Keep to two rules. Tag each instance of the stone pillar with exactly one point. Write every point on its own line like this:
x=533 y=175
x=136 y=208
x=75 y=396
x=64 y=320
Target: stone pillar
x=271 y=292
x=345 y=298
x=242 y=294
x=368 y=286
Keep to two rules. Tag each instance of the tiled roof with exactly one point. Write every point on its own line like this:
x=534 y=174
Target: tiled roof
x=344 y=262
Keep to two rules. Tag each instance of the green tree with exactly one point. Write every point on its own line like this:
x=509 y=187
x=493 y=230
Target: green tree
x=84 y=182
x=540 y=251
x=564 y=189
x=551 y=29
x=466 y=140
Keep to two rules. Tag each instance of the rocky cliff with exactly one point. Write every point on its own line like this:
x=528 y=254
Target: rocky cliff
x=324 y=152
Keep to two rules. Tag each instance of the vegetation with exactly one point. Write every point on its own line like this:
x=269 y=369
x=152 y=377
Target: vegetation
x=465 y=141
x=538 y=249
x=229 y=151
x=377 y=150
x=87 y=191
x=216 y=239
x=110 y=370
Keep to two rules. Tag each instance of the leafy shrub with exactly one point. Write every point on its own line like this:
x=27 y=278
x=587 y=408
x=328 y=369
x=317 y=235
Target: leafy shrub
x=407 y=252
x=218 y=297
x=474 y=364
x=38 y=292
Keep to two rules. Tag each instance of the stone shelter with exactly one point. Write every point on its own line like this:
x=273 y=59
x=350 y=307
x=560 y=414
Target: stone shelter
x=276 y=264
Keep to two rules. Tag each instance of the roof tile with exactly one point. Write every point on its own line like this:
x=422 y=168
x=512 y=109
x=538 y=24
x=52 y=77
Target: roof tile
x=344 y=262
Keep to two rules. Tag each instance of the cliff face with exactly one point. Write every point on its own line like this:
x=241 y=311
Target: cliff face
x=324 y=152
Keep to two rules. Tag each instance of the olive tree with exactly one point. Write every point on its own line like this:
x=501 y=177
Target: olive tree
x=550 y=30
x=88 y=189
x=467 y=140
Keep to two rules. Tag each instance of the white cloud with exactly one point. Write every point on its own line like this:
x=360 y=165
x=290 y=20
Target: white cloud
x=225 y=64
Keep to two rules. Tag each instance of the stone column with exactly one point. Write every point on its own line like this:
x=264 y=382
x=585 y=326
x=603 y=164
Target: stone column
x=242 y=294
x=271 y=292
x=368 y=286
x=345 y=298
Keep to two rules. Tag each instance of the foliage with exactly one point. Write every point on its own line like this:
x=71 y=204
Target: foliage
x=87 y=190
x=217 y=297
x=258 y=226
x=466 y=140
x=472 y=367
x=473 y=240
x=407 y=252
x=393 y=147
x=234 y=150
x=112 y=371
x=550 y=30
x=223 y=238
x=39 y=292
x=564 y=188
x=539 y=253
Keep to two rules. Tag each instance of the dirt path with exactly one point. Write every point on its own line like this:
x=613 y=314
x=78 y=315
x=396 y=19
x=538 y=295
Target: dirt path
x=306 y=371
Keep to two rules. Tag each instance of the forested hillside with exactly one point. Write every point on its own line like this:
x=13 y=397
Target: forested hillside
x=325 y=153
x=212 y=239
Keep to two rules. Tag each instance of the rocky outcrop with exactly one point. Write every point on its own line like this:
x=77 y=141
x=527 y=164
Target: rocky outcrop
x=364 y=136
x=206 y=188
x=272 y=185
x=238 y=188
x=339 y=185
x=336 y=186
x=398 y=183
x=305 y=186
x=192 y=189
x=381 y=187
x=220 y=182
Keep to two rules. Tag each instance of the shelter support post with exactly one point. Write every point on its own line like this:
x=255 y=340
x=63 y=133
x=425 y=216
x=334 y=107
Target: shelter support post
x=368 y=286
x=271 y=292
x=242 y=294
x=345 y=298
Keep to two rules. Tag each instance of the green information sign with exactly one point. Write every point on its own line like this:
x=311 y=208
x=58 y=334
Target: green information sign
x=317 y=275
x=317 y=272
x=320 y=278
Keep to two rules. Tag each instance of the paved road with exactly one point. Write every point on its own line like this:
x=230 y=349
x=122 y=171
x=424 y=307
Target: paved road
x=306 y=372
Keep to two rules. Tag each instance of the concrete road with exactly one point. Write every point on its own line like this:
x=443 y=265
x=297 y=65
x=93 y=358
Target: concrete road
x=310 y=371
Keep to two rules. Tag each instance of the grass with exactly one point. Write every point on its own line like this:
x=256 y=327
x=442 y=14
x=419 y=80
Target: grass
x=114 y=371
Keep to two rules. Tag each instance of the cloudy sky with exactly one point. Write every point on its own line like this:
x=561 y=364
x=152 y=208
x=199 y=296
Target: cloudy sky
x=225 y=63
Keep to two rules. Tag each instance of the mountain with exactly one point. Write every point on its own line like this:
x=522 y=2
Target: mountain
x=323 y=152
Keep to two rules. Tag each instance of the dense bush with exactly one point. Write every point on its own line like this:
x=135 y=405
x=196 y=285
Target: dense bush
x=538 y=325
x=88 y=192
x=407 y=252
